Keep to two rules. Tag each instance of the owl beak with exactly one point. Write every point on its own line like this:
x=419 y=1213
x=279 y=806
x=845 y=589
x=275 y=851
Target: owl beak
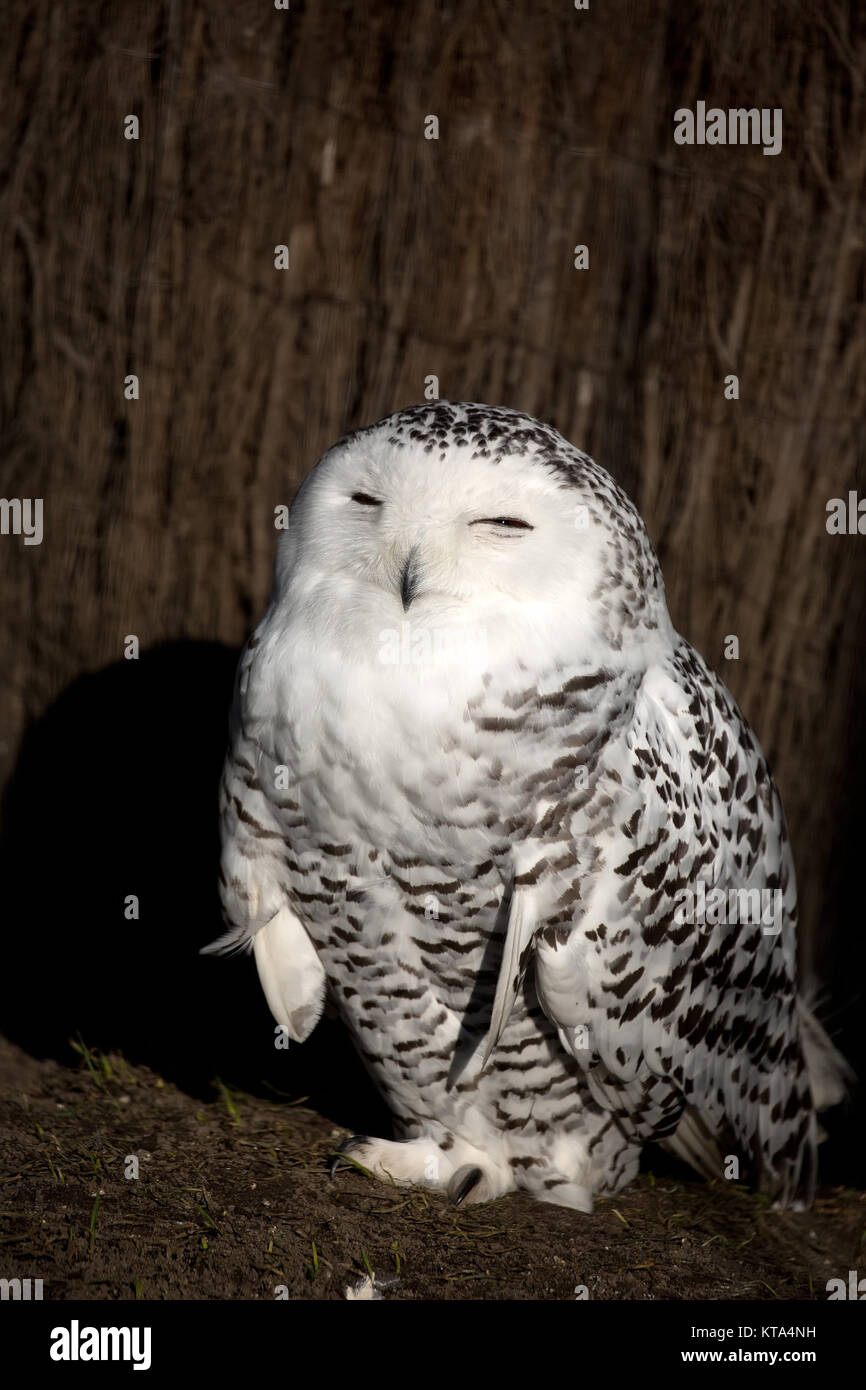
x=410 y=578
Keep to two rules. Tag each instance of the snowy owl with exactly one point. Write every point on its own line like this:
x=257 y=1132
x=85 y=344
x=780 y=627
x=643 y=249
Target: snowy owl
x=483 y=796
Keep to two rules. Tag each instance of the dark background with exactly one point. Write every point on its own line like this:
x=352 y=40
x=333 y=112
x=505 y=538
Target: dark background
x=408 y=258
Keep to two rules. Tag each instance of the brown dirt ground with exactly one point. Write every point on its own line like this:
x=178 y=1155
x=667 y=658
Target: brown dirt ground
x=234 y=1199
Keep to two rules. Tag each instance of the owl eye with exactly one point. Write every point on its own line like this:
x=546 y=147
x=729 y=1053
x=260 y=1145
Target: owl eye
x=513 y=522
x=366 y=500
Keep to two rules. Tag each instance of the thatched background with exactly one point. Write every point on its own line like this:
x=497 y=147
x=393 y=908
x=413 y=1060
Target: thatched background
x=411 y=257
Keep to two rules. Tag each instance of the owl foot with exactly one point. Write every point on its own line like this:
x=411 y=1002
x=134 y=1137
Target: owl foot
x=466 y=1174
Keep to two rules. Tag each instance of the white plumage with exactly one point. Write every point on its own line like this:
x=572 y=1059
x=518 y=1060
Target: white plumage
x=474 y=776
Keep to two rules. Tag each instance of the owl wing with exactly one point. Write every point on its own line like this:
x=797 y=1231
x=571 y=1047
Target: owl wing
x=257 y=913
x=681 y=1028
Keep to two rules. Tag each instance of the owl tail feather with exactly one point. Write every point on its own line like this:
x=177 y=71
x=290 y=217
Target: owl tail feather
x=693 y=1142
x=830 y=1076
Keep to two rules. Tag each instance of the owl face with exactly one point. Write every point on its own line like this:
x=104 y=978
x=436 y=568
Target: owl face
x=404 y=536
x=388 y=532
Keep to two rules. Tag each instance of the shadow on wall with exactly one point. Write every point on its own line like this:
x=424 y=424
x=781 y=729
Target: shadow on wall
x=115 y=793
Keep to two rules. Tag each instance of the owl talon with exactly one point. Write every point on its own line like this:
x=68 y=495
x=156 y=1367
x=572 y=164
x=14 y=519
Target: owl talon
x=336 y=1163
x=470 y=1181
